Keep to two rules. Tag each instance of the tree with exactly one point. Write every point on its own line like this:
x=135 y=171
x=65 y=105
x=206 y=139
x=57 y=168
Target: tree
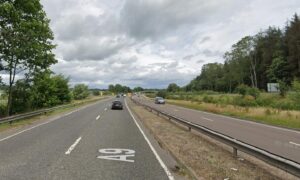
x=138 y=89
x=25 y=40
x=80 y=91
x=278 y=70
x=111 y=88
x=269 y=46
x=292 y=40
x=48 y=90
x=22 y=100
x=161 y=93
x=173 y=87
x=118 y=88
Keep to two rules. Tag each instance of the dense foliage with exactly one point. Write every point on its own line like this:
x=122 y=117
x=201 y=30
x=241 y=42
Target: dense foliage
x=271 y=56
x=25 y=40
x=118 y=88
x=43 y=90
x=80 y=91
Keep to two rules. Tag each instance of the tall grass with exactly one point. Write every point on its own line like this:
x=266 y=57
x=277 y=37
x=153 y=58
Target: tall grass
x=284 y=118
x=271 y=100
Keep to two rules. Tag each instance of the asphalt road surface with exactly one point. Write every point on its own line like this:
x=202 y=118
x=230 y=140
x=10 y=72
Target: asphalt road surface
x=92 y=143
x=280 y=141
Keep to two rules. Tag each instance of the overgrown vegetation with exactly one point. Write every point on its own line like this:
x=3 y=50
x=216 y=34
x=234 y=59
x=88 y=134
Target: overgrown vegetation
x=271 y=56
x=26 y=44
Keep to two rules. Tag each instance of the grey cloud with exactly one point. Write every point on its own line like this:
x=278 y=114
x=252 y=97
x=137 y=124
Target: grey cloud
x=210 y=53
x=93 y=49
x=151 y=43
x=205 y=39
x=151 y=19
x=200 y=61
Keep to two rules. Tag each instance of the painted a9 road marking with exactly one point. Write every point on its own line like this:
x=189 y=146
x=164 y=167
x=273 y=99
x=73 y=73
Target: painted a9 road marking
x=117 y=154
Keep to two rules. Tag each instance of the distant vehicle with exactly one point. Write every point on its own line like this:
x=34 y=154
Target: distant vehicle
x=118 y=96
x=124 y=95
x=159 y=100
x=117 y=105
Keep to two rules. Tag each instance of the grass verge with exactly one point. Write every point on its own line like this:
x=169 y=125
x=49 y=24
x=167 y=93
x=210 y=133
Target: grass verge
x=276 y=117
x=205 y=159
x=28 y=121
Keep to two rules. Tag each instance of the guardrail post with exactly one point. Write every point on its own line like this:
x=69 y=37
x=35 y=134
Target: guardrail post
x=190 y=128
x=234 y=152
x=10 y=122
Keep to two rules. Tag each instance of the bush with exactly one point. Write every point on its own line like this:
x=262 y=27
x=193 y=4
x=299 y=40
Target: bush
x=283 y=88
x=96 y=93
x=162 y=94
x=245 y=101
x=242 y=89
x=246 y=90
x=208 y=99
x=254 y=92
x=284 y=105
x=80 y=91
x=2 y=110
x=296 y=89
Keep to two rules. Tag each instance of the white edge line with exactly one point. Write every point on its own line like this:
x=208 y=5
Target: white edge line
x=8 y=137
x=207 y=119
x=72 y=147
x=162 y=164
x=236 y=119
x=294 y=143
x=28 y=129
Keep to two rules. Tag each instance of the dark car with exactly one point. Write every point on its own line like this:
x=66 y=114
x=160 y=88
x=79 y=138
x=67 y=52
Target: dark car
x=117 y=105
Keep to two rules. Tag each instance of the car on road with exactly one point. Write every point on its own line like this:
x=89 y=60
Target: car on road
x=117 y=105
x=118 y=96
x=159 y=100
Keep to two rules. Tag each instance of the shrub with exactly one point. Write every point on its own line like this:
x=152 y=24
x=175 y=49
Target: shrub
x=242 y=89
x=80 y=91
x=296 y=89
x=162 y=93
x=208 y=99
x=96 y=93
x=253 y=92
x=245 y=101
x=283 y=88
x=2 y=110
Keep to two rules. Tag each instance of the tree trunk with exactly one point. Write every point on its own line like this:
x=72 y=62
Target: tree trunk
x=12 y=75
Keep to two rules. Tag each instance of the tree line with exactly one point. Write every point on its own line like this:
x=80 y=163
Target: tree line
x=270 y=56
x=26 y=44
x=118 y=88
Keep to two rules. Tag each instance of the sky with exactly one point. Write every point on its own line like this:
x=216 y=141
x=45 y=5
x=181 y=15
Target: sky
x=152 y=43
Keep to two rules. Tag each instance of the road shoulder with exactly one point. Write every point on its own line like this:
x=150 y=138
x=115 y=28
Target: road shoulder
x=205 y=158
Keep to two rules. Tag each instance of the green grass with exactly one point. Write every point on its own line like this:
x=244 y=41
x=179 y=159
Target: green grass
x=282 y=118
x=31 y=120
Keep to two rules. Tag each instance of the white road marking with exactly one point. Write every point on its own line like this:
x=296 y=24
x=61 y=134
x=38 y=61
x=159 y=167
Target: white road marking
x=69 y=113
x=97 y=117
x=117 y=154
x=162 y=164
x=241 y=120
x=73 y=146
x=20 y=132
x=207 y=119
x=8 y=137
x=296 y=144
x=105 y=109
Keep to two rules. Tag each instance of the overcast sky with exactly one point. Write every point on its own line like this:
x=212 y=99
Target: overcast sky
x=152 y=43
